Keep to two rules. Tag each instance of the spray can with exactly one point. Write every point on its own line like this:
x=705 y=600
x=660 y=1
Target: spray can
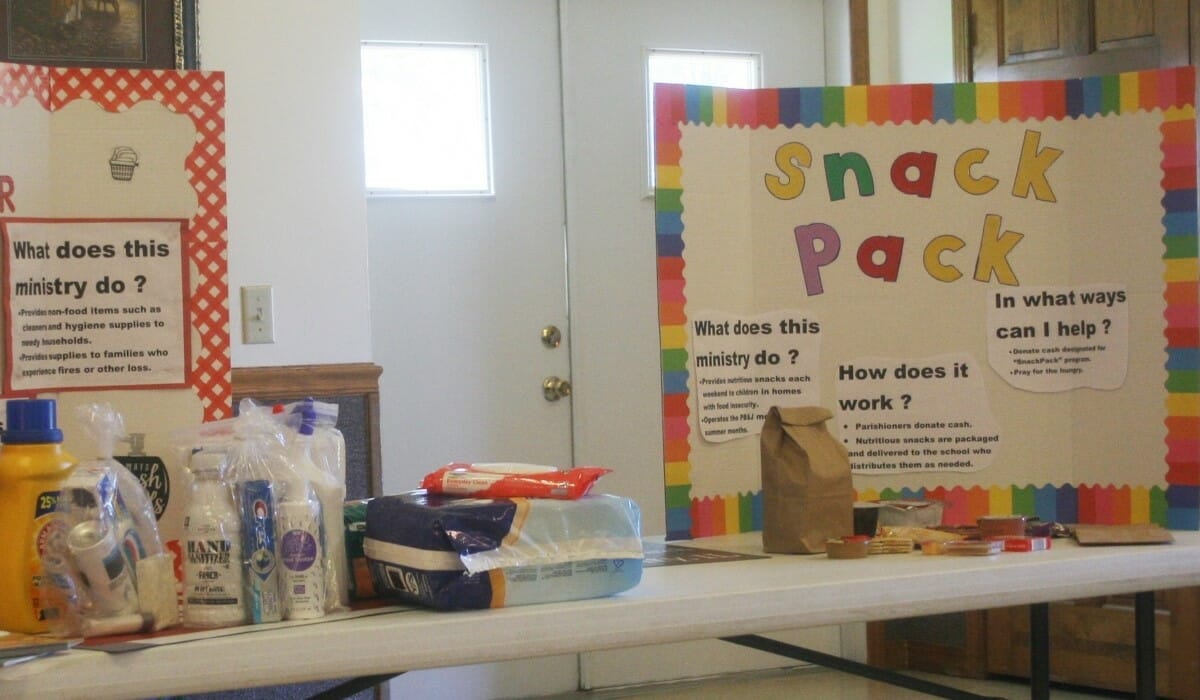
x=103 y=568
x=33 y=465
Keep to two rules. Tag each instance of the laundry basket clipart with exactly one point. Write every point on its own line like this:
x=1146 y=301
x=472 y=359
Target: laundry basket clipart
x=124 y=159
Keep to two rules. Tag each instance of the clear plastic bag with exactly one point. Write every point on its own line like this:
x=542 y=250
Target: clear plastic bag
x=281 y=495
x=319 y=453
x=107 y=562
x=236 y=465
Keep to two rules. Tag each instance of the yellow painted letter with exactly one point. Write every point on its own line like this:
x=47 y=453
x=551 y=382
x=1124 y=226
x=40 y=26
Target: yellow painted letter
x=790 y=158
x=994 y=248
x=1031 y=170
x=962 y=172
x=933 y=258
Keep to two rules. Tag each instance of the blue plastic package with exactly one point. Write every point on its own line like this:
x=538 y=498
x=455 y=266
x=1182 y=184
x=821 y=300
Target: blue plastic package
x=455 y=553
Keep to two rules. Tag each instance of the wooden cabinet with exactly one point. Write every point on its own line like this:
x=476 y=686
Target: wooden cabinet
x=954 y=644
x=1055 y=39
x=1091 y=643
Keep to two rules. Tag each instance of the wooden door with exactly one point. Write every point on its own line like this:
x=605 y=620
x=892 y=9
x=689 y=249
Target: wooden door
x=1057 y=39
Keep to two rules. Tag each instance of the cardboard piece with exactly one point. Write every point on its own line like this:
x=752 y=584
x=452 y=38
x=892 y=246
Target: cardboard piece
x=1122 y=534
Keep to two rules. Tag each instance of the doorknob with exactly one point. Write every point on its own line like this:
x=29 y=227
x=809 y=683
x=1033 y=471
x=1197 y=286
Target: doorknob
x=555 y=388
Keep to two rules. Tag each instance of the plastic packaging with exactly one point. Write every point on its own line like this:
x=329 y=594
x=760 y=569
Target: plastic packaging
x=319 y=456
x=276 y=469
x=911 y=512
x=484 y=553
x=213 y=568
x=512 y=480
x=252 y=445
x=302 y=528
x=33 y=465
x=101 y=563
x=110 y=568
x=257 y=510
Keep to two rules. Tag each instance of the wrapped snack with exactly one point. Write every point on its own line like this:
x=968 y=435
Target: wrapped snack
x=110 y=567
x=487 y=553
x=511 y=480
x=920 y=534
x=911 y=512
x=890 y=545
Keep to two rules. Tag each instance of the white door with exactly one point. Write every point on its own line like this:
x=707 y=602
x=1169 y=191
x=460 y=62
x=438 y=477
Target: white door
x=461 y=287
x=610 y=214
x=611 y=246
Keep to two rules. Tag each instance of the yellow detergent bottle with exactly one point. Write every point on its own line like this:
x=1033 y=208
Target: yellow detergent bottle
x=33 y=465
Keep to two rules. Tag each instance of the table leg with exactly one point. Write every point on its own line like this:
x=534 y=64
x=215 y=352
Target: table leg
x=1039 y=651
x=354 y=687
x=811 y=656
x=1143 y=615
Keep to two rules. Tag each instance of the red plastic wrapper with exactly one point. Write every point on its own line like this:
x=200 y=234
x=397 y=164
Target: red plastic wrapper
x=508 y=480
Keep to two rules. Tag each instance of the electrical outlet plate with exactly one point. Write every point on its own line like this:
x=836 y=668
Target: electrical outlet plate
x=258 y=315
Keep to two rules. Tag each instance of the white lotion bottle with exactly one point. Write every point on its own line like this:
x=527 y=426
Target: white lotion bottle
x=301 y=539
x=213 y=574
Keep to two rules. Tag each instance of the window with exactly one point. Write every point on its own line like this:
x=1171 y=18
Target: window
x=716 y=68
x=426 y=129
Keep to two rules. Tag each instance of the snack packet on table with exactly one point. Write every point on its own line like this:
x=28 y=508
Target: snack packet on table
x=512 y=480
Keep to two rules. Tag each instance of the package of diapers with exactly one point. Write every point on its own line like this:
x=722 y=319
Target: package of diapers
x=453 y=553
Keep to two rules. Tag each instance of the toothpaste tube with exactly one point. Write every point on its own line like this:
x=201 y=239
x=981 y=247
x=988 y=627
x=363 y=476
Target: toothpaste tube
x=509 y=480
x=258 y=531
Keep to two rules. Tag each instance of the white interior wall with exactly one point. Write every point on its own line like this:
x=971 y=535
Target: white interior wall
x=296 y=207
x=921 y=41
x=837 y=42
x=879 y=33
x=910 y=41
x=297 y=216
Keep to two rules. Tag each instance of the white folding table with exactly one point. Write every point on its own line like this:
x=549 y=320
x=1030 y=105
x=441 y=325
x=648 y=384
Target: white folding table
x=733 y=600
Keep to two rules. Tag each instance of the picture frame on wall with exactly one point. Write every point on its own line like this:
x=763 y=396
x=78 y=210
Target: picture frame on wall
x=156 y=34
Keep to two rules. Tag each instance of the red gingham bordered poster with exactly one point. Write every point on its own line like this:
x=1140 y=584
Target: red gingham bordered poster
x=113 y=212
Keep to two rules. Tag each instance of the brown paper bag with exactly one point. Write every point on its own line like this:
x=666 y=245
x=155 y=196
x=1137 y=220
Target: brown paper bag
x=807 y=492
